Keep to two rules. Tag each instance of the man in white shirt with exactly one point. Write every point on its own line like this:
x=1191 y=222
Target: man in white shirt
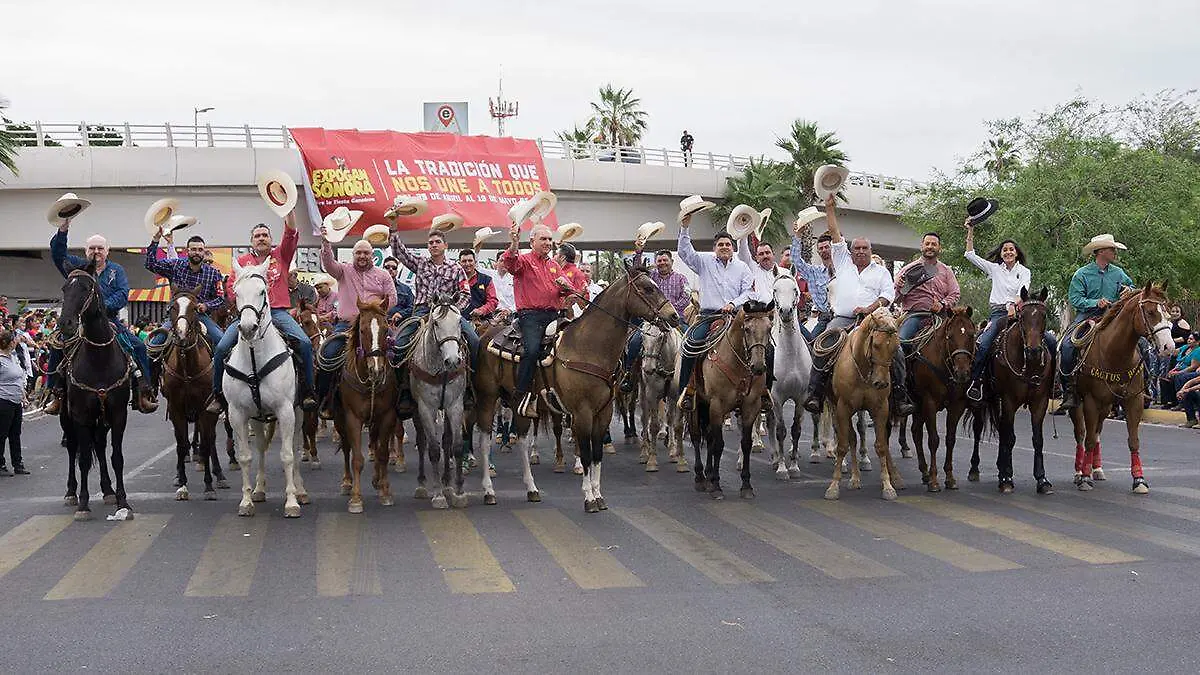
x=863 y=287
x=503 y=282
x=762 y=265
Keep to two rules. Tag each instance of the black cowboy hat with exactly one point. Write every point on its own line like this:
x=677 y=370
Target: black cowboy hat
x=914 y=276
x=980 y=209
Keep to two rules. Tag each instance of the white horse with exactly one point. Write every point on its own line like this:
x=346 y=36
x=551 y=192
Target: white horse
x=260 y=385
x=438 y=372
x=793 y=366
x=660 y=361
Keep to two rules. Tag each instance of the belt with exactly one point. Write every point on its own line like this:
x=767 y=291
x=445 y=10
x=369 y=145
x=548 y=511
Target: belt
x=538 y=309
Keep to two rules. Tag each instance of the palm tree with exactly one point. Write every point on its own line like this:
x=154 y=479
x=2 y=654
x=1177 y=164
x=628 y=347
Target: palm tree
x=762 y=184
x=1003 y=158
x=618 y=117
x=810 y=149
x=577 y=140
x=8 y=144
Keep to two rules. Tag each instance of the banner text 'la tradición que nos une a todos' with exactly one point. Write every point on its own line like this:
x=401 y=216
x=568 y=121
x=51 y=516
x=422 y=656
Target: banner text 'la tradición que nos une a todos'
x=477 y=177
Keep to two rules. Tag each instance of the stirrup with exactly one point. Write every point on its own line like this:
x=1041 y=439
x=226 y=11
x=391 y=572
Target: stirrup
x=528 y=406
x=975 y=391
x=216 y=403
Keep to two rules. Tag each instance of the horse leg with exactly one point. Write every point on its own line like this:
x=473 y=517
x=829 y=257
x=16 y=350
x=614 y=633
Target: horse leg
x=649 y=433
x=286 y=423
x=422 y=491
x=1037 y=416
x=71 y=498
x=340 y=422
x=697 y=428
x=675 y=437
x=814 y=454
x=1093 y=417
x=879 y=415
x=598 y=455
x=302 y=497
x=905 y=450
x=842 y=434
x=183 y=450
x=556 y=423
x=352 y=439
x=954 y=414
x=229 y=447
x=381 y=433
x=797 y=419
x=749 y=432
x=261 y=440
x=241 y=432
x=100 y=461
x=977 y=422
x=929 y=420
x=206 y=424
x=716 y=447
x=84 y=454
x=918 y=432
x=864 y=460
x=829 y=431
x=522 y=427
x=1008 y=439
x=1133 y=418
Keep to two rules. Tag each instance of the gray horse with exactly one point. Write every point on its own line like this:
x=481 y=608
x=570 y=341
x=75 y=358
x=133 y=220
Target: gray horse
x=660 y=359
x=438 y=378
x=793 y=363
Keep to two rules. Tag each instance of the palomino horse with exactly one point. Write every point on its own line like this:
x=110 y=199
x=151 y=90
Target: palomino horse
x=660 y=362
x=260 y=385
x=733 y=377
x=97 y=373
x=306 y=316
x=862 y=380
x=793 y=365
x=941 y=371
x=1022 y=374
x=1110 y=370
x=186 y=384
x=437 y=373
x=366 y=396
x=586 y=359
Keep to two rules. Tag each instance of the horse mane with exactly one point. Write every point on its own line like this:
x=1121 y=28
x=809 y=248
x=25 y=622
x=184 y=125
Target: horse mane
x=1114 y=309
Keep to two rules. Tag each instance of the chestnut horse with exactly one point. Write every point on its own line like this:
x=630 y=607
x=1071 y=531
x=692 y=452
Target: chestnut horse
x=941 y=371
x=306 y=316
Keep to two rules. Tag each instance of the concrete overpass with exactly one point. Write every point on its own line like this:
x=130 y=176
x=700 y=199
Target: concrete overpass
x=213 y=169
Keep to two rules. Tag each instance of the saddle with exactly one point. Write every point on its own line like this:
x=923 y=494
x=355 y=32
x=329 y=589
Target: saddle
x=507 y=343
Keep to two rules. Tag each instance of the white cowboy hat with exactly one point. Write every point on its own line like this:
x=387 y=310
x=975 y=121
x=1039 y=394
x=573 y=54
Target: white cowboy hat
x=404 y=206
x=807 y=216
x=322 y=278
x=829 y=179
x=538 y=206
x=447 y=222
x=568 y=232
x=377 y=235
x=693 y=204
x=159 y=214
x=1102 y=241
x=743 y=221
x=278 y=190
x=762 y=226
x=178 y=222
x=339 y=222
x=481 y=235
x=647 y=231
x=67 y=206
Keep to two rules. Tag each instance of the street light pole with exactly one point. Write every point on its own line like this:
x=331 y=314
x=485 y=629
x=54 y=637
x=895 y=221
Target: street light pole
x=196 y=124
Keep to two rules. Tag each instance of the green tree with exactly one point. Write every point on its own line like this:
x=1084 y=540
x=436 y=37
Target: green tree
x=578 y=139
x=618 y=117
x=809 y=149
x=8 y=144
x=763 y=184
x=1001 y=158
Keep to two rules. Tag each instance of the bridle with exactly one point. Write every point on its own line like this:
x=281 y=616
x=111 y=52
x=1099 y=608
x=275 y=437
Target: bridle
x=871 y=363
x=92 y=298
x=748 y=346
x=655 y=355
x=788 y=322
x=1151 y=332
x=632 y=286
x=262 y=313
x=970 y=354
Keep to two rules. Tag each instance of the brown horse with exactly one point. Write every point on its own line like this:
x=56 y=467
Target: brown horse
x=1022 y=374
x=941 y=371
x=582 y=374
x=1110 y=370
x=862 y=380
x=732 y=377
x=306 y=316
x=366 y=396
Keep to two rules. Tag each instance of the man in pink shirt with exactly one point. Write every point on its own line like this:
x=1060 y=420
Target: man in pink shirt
x=262 y=249
x=360 y=281
x=924 y=285
x=536 y=279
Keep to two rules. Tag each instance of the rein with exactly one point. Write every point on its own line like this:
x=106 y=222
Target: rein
x=71 y=346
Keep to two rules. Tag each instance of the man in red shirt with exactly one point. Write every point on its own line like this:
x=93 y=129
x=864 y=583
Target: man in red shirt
x=538 y=295
x=262 y=248
x=571 y=279
x=479 y=285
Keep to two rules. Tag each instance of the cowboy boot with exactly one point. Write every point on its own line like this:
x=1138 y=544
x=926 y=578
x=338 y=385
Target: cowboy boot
x=308 y=398
x=325 y=412
x=54 y=405
x=1070 y=399
x=528 y=405
x=627 y=383
x=145 y=398
x=815 y=397
x=216 y=403
x=901 y=404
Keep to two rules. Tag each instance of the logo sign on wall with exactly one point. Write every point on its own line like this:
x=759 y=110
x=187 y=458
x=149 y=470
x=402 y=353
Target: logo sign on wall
x=446 y=117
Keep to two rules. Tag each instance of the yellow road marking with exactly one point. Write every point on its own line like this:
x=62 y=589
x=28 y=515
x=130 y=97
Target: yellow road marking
x=1022 y=532
x=466 y=562
x=100 y=570
x=693 y=548
x=927 y=543
x=25 y=539
x=800 y=543
x=580 y=555
x=345 y=556
x=1145 y=504
x=230 y=558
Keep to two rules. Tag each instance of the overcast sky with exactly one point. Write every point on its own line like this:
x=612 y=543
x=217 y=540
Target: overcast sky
x=906 y=84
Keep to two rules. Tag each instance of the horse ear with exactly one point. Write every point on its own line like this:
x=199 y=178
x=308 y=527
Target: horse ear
x=90 y=268
x=1024 y=294
x=971 y=309
x=1163 y=288
x=237 y=268
x=1044 y=293
x=196 y=291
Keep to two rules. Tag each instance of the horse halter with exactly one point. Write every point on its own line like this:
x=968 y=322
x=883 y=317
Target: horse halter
x=93 y=295
x=1021 y=315
x=950 y=354
x=656 y=354
x=259 y=312
x=632 y=285
x=871 y=363
x=1150 y=332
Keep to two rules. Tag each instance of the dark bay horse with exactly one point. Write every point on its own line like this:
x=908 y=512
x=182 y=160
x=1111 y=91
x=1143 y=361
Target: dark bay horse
x=1022 y=374
x=941 y=371
x=97 y=373
x=306 y=316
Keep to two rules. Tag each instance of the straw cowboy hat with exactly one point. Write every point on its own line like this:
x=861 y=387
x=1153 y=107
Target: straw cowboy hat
x=980 y=209
x=765 y=214
x=743 y=221
x=68 y=206
x=178 y=222
x=1102 y=241
x=159 y=214
x=807 y=216
x=339 y=222
x=692 y=205
x=447 y=222
x=568 y=232
x=481 y=235
x=537 y=207
x=829 y=179
x=648 y=231
x=377 y=235
x=404 y=207
x=278 y=190
x=322 y=278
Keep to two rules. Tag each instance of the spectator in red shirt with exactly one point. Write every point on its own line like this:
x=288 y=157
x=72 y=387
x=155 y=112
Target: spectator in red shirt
x=537 y=293
x=571 y=280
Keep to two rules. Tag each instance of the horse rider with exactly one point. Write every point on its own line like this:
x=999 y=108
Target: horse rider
x=114 y=291
x=863 y=287
x=817 y=276
x=360 y=281
x=263 y=249
x=1093 y=288
x=502 y=281
x=674 y=287
x=188 y=274
x=725 y=285
x=326 y=304
x=924 y=285
x=435 y=276
x=404 y=293
x=483 y=301
x=299 y=291
x=761 y=262
x=571 y=279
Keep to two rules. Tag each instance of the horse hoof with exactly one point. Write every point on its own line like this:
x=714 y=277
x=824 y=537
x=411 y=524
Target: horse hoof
x=864 y=466
x=421 y=493
x=832 y=492
x=489 y=499
x=1045 y=488
x=1006 y=488
x=716 y=494
x=315 y=465
x=387 y=500
x=1098 y=474
x=401 y=467
x=534 y=458
x=951 y=483
x=222 y=484
x=258 y=496
x=682 y=467
x=303 y=499
x=609 y=449
x=181 y=495
x=601 y=504
x=589 y=506
x=559 y=467
x=110 y=500
x=643 y=457
x=1140 y=486
x=793 y=472
x=83 y=515
x=933 y=487
x=814 y=458
x=1084 y=484
x=905 y=453
x=925 y=478
x=889 y=494
x=973 y=475
x=210 y=495
x=781 y=473
x=246 y=509
x=355 y=506
x=578 y=470
x=439 y=502
x=746 y=493
x=855 y=484
x=701 y=485
x=651 y=467
x=70 y=500
x=234 y=466
x=291 y=511
x=304 y=458
x=756 y=449
x=176 y=483
x=533 y=496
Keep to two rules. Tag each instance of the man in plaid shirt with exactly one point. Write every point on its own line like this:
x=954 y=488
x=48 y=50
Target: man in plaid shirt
x=189 y=274
x=674 y=287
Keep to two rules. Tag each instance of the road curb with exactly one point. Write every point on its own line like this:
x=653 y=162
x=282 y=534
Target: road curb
x=1151 y=415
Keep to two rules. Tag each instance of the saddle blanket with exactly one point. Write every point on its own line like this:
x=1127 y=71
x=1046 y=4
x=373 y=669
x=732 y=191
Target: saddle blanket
x=507 y=343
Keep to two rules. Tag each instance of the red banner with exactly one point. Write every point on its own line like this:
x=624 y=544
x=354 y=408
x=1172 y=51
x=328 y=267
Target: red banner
x=477 y=177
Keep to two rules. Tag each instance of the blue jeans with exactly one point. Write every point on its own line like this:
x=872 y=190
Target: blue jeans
x=330 y=347
x=532 y=323
x=214 y=331
x=996 y=321
x=633 y=348
x=696 y=334
x=287 y=326
x=404 y=338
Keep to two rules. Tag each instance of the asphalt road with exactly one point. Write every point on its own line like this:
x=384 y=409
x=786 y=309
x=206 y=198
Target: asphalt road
x=667 y=580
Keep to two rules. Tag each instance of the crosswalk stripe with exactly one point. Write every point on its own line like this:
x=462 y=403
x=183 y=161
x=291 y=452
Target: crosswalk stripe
x=230 y=558
x=25 y=539
x=100 y=570
x=1146 y=504
x=1155 y=535
x=927 y=543
x=800 y=543
x=467 y=563
x=1190 y=493
x=1022 y=532
x=576 y=551
x=695 y=549
x=345 y=556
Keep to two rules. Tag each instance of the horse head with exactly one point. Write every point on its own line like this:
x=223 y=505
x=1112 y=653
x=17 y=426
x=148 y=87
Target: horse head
x=306 y=316
x=1031 y=321
x=253 y=303
x=81 y=299
x=756 y=319
x=882 y=340
x=184 y=315
x=785 y=293
x=643 y=299
x=960 y=343
x=371 y=338
x=445 y=330
x=658 y=350
x=1155 y=319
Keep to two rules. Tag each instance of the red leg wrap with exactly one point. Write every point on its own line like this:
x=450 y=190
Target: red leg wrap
x=1079 y=458
x=1135 y=464
x=1096 y=456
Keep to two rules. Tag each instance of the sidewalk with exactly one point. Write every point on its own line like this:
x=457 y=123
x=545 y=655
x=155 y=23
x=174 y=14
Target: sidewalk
x=1151 y=415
